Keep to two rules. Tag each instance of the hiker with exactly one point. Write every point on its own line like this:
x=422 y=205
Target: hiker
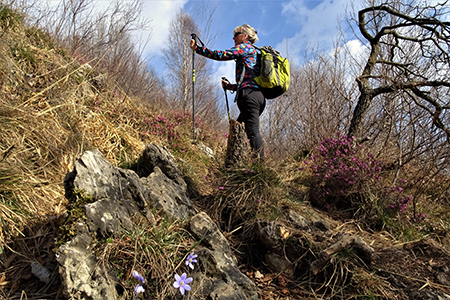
x=249 y=98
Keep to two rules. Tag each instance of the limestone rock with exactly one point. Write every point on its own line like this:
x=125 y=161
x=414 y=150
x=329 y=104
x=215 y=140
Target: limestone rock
x=222 y=280
x=279 y=264
x=168 y=195
x=81 y=275
x=112 y=195
x=158 y=156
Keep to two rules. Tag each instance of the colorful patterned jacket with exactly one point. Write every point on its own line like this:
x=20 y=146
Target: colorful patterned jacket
x=245 y=53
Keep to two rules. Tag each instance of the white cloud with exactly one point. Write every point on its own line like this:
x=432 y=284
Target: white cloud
x=224 y=69
x=355 y=48
x=161 y=13
x=317 y=26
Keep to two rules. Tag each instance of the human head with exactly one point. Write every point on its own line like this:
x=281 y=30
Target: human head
x=249 y=31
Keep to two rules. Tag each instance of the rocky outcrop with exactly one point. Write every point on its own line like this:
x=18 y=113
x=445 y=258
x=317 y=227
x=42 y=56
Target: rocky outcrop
x=106 y=198
x=82 y=275
x=223 y=280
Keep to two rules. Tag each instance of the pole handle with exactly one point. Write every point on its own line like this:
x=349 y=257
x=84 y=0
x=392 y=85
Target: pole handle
x=197 y=39
x=226 y=80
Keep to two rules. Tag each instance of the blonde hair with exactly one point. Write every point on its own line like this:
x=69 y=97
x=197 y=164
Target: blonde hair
x=248 y=30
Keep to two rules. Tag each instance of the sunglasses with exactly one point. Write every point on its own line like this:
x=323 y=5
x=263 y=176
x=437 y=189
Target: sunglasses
x=237 y=33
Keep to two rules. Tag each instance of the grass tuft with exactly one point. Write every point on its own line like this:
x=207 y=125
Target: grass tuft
x=156 y=251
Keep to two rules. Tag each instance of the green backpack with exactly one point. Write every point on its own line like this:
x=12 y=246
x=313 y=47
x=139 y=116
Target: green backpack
x=274 y=78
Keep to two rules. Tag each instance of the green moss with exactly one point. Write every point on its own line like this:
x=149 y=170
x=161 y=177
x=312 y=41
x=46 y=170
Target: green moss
x=75 y=212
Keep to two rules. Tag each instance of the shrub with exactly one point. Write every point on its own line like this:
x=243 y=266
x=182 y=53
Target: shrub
x=348 y=181
x=341 y=171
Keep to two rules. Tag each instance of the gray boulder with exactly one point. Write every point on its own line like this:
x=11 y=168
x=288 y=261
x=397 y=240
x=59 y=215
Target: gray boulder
x=158 y=156
x=82 y=276
x=106 y=198
x=222 y=279
x=166 y=194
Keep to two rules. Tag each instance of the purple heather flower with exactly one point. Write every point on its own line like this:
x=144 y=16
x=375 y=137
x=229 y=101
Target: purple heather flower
x=191 y=259
x=138 y=289
x=138 y=277
x=181 y=282
x=221 y=187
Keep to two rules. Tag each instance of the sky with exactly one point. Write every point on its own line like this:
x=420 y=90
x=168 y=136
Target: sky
x=288 y=26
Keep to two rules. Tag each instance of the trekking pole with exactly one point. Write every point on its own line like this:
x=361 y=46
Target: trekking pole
x=193 y=35
x=226 y=98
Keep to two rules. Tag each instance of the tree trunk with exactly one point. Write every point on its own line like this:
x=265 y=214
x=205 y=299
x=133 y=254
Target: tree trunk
x=237 y=150
x=359 y=115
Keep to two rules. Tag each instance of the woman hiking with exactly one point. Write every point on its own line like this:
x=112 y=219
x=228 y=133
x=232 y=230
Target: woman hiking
x=249 y=98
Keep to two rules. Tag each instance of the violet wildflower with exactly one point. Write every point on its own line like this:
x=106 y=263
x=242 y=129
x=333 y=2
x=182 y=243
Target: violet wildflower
x=138 y=276
x=181 y=282
x=190 y=260
x=138 y=289
x=221 y=188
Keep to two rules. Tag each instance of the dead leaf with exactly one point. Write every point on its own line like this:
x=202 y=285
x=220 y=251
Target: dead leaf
x=258 y=275
x=283 y=281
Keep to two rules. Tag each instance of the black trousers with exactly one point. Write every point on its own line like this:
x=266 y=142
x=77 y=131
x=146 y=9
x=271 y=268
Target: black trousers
x=251 y=104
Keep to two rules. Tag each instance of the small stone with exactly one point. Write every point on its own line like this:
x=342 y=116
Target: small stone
x=258 y=275
x=298 y=219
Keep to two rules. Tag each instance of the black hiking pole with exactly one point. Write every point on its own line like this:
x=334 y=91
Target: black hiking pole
x=193 y=35
x=226 y=98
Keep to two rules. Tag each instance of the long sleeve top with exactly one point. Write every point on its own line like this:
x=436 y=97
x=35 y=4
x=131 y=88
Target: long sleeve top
x=244 y=54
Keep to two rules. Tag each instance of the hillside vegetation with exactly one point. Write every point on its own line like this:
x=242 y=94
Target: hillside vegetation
x=55 y=105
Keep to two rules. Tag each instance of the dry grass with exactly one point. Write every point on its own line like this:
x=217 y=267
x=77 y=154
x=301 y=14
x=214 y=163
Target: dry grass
x=53 y=108
x=157 y=252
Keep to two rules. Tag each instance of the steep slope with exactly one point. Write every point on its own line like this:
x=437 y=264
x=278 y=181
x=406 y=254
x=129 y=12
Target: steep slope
x=54 y=106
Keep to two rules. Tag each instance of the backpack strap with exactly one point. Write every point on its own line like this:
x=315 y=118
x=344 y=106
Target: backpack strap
x=241 y=79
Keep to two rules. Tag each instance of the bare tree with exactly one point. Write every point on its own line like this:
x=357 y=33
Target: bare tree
x=178 y=59
x=104 y=38
x=409 y=60
x=317 y=105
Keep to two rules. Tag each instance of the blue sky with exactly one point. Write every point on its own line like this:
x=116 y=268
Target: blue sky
x=289 y=26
